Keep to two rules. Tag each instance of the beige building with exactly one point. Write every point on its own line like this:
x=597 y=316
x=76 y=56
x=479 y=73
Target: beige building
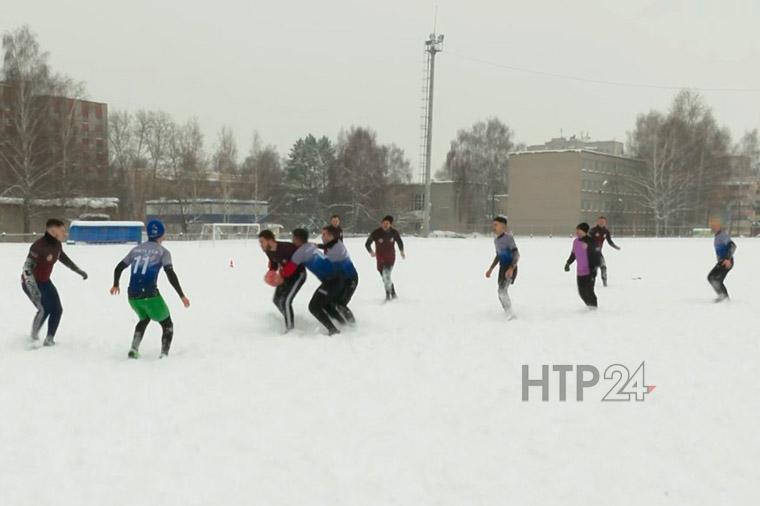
x=406 y=203
x=552 y=191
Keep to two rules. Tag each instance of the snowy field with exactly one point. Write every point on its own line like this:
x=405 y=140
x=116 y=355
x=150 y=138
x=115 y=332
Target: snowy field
x=420 y=404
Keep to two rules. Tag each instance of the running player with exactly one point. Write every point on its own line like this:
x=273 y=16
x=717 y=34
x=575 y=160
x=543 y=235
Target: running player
x=587 y=260
x=324 y=300
x=599 y=234
x=36 y=283
x=385 y=239
x=506 y=258
x=724 y=251
x=146 y=261
x=279 y=254
x=336 y=252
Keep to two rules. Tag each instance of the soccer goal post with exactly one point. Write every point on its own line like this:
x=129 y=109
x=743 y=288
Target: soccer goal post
x=229 y=231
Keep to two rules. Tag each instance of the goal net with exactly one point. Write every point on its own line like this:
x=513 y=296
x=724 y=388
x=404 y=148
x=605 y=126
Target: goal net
x=230 y=231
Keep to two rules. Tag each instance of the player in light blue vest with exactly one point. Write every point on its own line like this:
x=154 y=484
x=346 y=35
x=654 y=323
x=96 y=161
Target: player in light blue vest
x=506 y=258
x=338 y=254
x=146 y=261
x=323 y=302
x=724 y=252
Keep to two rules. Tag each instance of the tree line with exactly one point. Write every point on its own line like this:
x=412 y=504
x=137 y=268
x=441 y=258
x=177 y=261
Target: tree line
x=152 y=155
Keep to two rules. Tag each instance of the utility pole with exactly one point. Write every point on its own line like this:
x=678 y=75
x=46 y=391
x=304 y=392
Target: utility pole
x=433 y=45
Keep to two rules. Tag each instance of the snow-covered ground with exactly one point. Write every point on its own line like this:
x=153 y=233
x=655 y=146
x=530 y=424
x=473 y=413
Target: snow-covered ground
x=419 y=404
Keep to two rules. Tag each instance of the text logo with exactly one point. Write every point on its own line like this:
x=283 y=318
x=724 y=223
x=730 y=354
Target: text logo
x=624 y=386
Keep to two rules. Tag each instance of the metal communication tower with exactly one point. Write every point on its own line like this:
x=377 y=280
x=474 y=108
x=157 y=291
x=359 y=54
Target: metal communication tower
x=433 y=46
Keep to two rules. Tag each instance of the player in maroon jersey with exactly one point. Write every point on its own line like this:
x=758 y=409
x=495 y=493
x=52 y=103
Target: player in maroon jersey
x=279 y=254
x=36 y=283
x=386 y=238
x=599 y=234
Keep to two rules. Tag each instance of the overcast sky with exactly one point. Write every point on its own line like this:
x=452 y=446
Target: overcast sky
x=294 y=67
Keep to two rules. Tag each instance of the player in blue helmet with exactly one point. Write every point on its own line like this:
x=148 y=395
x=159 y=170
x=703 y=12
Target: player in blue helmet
x=146 y=261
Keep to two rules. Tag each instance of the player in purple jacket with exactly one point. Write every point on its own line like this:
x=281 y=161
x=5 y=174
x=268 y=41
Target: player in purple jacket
x=586 y=260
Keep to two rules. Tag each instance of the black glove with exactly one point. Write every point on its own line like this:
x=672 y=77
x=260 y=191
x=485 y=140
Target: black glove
x=567 y=267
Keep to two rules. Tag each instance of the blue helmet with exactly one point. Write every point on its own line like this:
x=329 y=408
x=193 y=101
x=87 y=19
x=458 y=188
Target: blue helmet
x=155 y=229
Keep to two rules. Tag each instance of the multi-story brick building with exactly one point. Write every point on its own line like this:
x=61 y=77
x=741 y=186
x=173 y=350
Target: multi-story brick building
x=71 y=139
x=552 y=191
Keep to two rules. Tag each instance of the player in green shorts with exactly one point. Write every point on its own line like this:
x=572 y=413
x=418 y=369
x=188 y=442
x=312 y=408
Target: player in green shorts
x=146 y=261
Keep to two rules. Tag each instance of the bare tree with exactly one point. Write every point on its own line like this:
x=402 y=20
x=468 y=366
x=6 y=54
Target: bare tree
x=399 y=167
x=749 y=146
x=128 y=141
x=24 y=152
x=160 y=129
x=685 y=158
x=663 y=186
x=262 y=168
x=225 y=163
x=478 y=162
x=359 y=177
x=63 y=125
x=186 y=166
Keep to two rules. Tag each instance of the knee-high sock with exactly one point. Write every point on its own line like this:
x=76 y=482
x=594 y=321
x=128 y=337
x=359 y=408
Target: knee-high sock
x=167 y=336
x=387 y=281
x=139 y=333
x=506 y=302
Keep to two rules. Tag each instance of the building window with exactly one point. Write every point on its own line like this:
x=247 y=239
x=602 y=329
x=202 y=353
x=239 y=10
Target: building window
x=419 y=201
x=99 y=111
x=85 y=109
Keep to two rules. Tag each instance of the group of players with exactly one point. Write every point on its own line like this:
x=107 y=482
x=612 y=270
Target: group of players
x=586 y=253
x=329 y=261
